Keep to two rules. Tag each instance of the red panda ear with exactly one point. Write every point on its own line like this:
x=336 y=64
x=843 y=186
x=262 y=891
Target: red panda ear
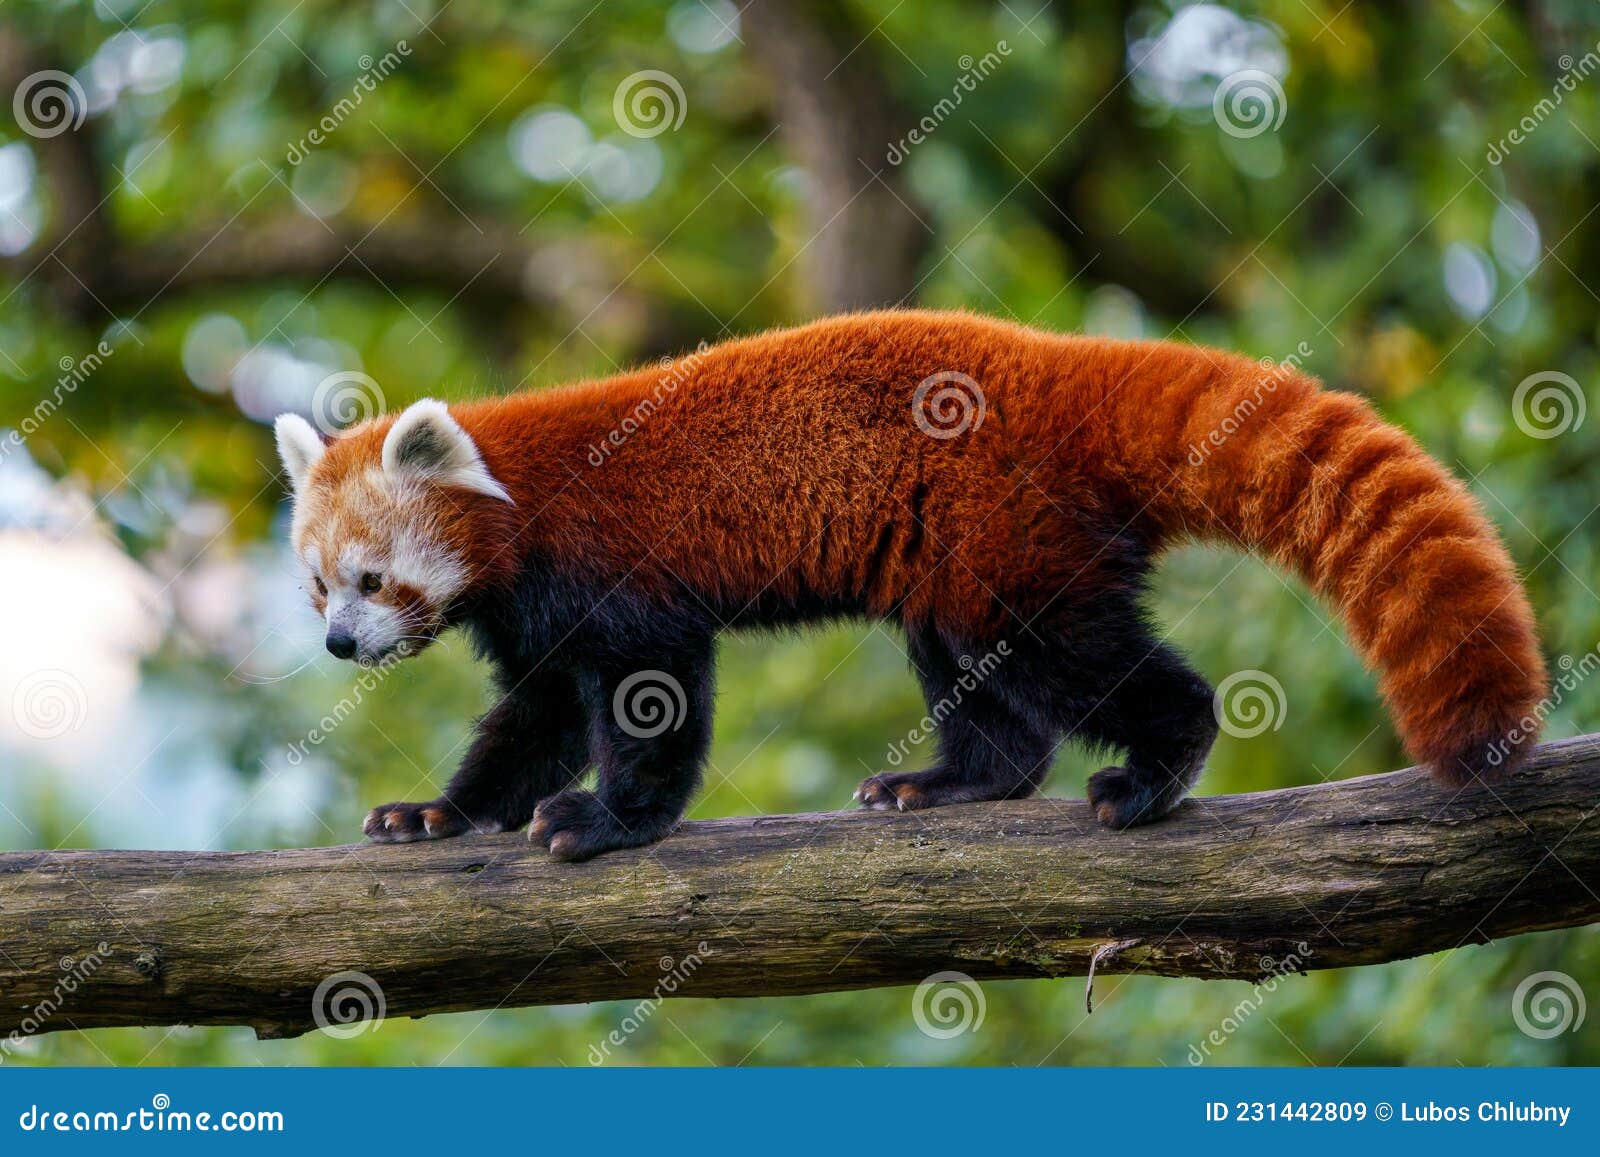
x=300 y=447
x=426 y=442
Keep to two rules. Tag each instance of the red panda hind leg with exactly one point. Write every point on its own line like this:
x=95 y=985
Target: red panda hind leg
x=1097 y=675
x=990 y=746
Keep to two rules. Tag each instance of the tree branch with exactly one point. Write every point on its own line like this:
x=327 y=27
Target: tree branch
x=95 y=273
x=1356 y=872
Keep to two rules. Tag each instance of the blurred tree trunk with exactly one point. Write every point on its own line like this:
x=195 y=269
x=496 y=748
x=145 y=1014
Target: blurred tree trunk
x=839 y=119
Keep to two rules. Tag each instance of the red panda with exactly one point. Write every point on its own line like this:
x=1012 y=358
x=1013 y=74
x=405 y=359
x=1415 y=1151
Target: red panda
x=988 y=487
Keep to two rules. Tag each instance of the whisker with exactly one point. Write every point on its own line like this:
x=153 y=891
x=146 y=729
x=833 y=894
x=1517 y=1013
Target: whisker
x=263 y=680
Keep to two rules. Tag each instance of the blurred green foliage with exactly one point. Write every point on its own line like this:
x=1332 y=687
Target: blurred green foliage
x=1086 y=184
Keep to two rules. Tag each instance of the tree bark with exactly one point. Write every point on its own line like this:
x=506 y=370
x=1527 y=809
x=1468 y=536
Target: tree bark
x=1356 y=872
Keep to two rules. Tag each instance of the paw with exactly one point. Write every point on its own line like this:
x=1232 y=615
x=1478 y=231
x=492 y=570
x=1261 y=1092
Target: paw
x=893 y=792
x=1119 y=800
x=401 y=823
x=575 y=825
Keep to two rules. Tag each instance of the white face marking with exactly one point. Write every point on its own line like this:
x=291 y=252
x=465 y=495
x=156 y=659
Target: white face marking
x=386 y=528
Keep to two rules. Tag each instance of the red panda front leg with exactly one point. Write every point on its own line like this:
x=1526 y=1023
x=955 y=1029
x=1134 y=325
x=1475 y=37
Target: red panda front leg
x=651 y=735
x=534 y=741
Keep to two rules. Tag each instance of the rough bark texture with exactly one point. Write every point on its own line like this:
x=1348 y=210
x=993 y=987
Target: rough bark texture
x=1355 y=872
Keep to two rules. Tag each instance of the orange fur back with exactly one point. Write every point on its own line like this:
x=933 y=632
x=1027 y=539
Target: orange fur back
x=787 y=467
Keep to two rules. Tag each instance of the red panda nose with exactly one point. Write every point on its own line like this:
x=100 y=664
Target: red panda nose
x=341 y=644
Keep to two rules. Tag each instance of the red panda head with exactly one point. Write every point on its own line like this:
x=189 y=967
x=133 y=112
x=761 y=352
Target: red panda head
x=382 y=520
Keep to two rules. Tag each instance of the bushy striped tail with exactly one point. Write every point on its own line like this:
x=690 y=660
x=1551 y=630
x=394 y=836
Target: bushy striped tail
x=1260 y=456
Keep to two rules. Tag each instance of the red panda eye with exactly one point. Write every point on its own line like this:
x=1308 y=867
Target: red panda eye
x=322 y=587
x=370 y=583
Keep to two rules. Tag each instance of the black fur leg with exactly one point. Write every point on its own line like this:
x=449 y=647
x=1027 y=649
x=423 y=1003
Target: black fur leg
x=1173 y=727
x=1123 y=688
x=651 y=734
x=533 y=742
x=987 y=748
x=1095 y=672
